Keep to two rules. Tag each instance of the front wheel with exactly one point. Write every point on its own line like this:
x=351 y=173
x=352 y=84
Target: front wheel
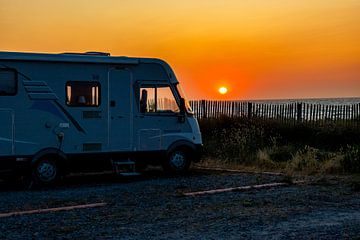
x=177 y=161
x=45 y=172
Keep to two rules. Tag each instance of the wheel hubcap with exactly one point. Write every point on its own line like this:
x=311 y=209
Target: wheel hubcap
x=178 y=160
x=46 y=171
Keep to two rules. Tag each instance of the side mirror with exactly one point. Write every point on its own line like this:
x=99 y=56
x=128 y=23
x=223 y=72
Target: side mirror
x=182 y=106
x=182 y=110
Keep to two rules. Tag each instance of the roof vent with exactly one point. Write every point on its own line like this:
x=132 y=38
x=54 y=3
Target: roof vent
x=98 y=53
x=88 y=53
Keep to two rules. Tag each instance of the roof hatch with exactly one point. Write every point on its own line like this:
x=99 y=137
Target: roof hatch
x=89 y=53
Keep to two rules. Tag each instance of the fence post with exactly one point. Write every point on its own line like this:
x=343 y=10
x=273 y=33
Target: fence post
x=232 y=109
x=299 y=112
x=203 y=108
x=249 y=109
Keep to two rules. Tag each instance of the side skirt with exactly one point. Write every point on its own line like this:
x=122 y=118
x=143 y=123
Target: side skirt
x=82 y=162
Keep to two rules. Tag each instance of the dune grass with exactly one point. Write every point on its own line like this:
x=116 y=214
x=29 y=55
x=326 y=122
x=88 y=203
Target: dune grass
x=271 y=145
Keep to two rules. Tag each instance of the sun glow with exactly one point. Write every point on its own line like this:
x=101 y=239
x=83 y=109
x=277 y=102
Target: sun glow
x=257 y=49
x=223 y=90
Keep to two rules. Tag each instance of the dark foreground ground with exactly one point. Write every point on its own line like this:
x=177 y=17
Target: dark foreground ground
x=150 y=207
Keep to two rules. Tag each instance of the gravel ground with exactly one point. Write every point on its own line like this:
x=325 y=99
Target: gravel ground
x=151 y=207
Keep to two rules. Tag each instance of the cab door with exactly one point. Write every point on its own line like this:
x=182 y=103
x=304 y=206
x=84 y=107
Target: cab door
x=120 y=110
x=158 y=121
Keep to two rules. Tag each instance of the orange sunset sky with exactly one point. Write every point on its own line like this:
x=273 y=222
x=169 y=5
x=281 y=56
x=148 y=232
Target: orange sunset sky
x=258 y=49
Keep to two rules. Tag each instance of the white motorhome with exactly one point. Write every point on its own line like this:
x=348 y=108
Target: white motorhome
x=75 y=112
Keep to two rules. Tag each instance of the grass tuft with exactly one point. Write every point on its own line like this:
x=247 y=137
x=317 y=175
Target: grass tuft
x=270 y=145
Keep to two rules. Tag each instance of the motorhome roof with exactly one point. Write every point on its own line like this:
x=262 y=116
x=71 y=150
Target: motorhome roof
x=89 y=57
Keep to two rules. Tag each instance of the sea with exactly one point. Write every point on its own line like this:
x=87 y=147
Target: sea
x=322 y=101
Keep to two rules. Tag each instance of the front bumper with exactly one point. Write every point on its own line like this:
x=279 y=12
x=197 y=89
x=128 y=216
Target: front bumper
x=199 y=148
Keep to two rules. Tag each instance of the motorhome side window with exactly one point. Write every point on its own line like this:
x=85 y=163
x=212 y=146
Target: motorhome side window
x=157 y=99
x=83 y=94
x=8 y=82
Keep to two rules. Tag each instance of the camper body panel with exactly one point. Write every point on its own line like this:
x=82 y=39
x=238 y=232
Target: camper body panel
x=39 y=118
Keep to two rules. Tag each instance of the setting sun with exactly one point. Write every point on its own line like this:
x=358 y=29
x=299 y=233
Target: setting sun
x=223 y=90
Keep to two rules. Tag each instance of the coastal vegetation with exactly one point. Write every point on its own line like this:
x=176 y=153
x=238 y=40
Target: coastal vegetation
x=267 y=144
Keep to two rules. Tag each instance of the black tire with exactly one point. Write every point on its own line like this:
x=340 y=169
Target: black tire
x=177 y=160
x=46 y=171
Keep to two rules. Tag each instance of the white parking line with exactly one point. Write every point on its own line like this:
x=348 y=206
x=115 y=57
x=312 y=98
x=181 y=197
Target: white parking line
x=238 y=171
x=57 y=209
x=243 y=188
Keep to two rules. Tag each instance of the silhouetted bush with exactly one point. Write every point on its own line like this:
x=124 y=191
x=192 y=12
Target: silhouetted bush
x=239 y=140
x=351 y=160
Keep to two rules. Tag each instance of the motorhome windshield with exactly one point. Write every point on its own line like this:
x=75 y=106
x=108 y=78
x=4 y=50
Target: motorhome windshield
x=182 y=94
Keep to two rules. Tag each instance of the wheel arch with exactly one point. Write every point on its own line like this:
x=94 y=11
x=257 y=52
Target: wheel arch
x=61 y=156
x=181 y=144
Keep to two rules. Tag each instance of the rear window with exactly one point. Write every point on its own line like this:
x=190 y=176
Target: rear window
x=8 y=82
x=83 y=94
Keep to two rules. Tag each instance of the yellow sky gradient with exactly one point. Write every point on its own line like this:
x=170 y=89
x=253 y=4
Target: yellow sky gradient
x=259 y=49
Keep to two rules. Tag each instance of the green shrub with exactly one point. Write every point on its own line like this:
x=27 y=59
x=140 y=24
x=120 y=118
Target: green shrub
x=271 y=144
x=282 y=153
x=264 y=161
x=351 y=160
x=333 y=164
x=304 y=160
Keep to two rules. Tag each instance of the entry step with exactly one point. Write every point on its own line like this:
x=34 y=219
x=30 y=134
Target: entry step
x=124 y=168
x=129 y=174
x=123 y=163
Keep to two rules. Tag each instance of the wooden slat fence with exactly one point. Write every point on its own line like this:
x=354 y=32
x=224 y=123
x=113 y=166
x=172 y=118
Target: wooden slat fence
x=291 y=112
